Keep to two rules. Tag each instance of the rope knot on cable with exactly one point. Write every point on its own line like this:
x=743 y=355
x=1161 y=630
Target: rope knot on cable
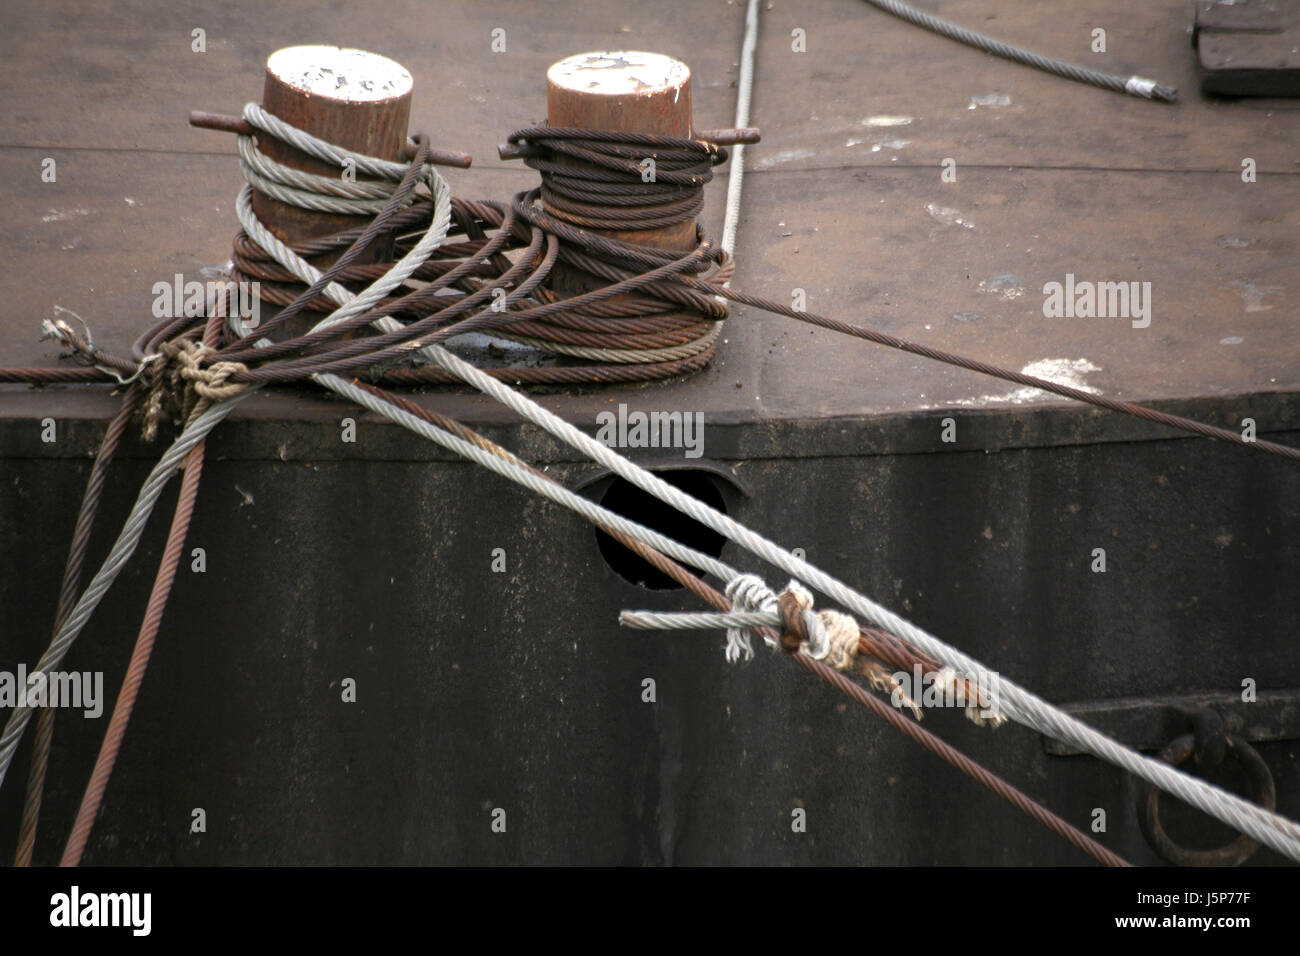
x=210 y=382
x=830 y=636
x=747 y=592
x=981 y=697
x=179 y=381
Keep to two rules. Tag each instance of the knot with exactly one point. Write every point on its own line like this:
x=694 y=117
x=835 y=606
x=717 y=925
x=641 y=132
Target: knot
x=794 y=625
x=977 y=695
x=747 y=592
x=178 y=381
x=210 y=382
x=842 y=638
x=830 y=636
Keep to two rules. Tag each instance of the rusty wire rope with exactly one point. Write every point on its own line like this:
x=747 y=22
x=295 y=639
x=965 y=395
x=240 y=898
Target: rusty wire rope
x=651 y=313
x=93 y=796
x=654 y=313
x=873 y=642
x=68 y=590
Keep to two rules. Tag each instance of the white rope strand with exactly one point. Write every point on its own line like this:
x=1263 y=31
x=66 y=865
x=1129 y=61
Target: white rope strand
x=349 y=305
x=1017 y=703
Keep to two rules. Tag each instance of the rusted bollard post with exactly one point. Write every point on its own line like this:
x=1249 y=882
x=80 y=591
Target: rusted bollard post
x=354 y=99
x=625 y=91
x=351 y=98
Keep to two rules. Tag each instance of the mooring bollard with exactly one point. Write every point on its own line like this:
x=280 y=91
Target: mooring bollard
x=625 y=91
x=616 y=115
x=352 y=98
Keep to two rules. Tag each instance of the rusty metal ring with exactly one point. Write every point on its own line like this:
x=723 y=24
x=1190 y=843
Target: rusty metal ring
x=1178 y=752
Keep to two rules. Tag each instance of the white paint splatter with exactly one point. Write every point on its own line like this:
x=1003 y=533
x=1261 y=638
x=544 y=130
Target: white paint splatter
x=62 y=215
x=1005 y=286
x=990 y=101
x=1069 y=372
x=890 y=144
x=887 y=121
x=949 y=217
x=1252 y=294
x=785 y=156
x=1231 y=340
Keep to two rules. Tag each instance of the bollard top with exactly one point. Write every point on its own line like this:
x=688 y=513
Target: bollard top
x=338 y=73
x=618 y=73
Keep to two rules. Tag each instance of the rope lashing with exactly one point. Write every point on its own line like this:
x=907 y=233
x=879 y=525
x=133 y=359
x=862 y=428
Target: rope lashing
x=210 y=382
x=175 y=375
x=595 y=180
x=748 y=592
x=828 y=635
x=980 y=708
x=1022 y=705
x=809 y=632
x=179 y=381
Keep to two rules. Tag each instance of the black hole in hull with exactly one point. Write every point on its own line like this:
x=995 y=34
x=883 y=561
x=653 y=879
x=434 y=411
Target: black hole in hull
x=626 y=499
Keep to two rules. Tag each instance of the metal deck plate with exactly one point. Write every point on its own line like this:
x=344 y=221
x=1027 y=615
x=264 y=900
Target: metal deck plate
x=1053 y=178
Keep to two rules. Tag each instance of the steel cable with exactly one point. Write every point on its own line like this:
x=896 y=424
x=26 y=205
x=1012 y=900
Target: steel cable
x=93 y=796
x=86 y=514
x=876 y=643
x=671 y=276
x=1132 y=85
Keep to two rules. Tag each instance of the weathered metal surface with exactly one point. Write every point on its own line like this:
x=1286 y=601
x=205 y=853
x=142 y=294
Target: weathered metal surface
x=1248 y=47
x=1149 y=723
x=518 y=690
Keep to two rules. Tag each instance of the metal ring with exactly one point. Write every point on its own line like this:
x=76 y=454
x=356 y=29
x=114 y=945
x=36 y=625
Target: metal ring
x=1178 y=752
